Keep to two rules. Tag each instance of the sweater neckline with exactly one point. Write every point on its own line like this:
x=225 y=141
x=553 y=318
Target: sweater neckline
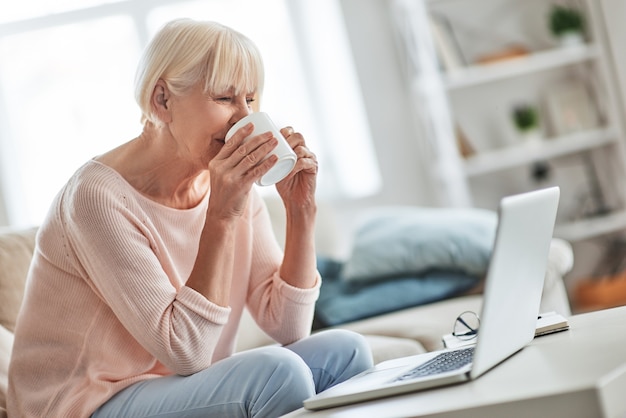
x=201 y=204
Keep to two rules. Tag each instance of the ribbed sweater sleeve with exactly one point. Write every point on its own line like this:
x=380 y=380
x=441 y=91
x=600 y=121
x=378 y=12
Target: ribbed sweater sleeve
x=122 y=253
x=284 y=312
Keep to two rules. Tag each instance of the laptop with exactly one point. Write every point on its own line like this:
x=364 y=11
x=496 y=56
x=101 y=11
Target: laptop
x=508 y=318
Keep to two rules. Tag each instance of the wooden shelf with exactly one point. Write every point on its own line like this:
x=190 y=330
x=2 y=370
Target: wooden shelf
x=528 y=152
x=535 y=62
x=592 y=227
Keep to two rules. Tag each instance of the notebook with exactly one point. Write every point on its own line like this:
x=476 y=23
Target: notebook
x=508 y=318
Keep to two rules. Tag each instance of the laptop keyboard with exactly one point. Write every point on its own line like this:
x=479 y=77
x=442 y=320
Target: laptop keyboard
x=444 y=362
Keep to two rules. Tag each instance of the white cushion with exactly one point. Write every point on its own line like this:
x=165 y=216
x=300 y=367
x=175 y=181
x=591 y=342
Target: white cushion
x=388 y=348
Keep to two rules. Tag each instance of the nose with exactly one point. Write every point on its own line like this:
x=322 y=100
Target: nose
x=241 y=111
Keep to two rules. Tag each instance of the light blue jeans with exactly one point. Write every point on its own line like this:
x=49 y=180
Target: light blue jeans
x=263 y=382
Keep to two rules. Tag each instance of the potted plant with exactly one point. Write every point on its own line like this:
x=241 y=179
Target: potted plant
x=526 y=120
x=567 y=24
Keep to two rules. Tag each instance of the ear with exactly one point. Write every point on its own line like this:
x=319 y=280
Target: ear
x=160 y=101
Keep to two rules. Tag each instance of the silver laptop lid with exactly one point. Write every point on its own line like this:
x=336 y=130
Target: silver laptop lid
x=515 y=276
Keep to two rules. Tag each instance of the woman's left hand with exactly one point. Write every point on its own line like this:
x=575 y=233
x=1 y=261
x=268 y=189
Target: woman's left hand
x=299 y=186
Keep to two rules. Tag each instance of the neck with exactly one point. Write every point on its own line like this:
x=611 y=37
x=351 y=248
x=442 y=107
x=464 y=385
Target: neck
x=152 y=165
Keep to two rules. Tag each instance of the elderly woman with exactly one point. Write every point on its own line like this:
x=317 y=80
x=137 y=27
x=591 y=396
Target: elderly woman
x=151 y=251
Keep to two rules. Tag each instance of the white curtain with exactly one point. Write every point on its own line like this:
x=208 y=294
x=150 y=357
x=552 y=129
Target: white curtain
x=333 y=88
x=433 y=119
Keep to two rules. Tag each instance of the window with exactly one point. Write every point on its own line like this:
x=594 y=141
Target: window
x=66 y=93
x=63 y=105
x=23 y=10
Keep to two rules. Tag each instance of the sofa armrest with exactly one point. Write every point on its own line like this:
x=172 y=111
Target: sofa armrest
x=6 y=344
x=250 y=335
x=560 y=262
x=424 y=324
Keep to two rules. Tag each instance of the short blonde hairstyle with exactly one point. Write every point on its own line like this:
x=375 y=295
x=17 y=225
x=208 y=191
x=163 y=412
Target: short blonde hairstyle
x=185 y=53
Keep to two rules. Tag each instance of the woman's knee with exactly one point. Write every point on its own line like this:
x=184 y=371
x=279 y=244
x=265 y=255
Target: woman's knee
x=348 y=338
x=283 y=381
x=334 y=356
x=350 y=344
x=278 y=360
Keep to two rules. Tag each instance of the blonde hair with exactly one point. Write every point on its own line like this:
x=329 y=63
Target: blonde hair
x=185 y=53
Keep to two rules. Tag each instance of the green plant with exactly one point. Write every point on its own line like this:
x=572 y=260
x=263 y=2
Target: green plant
x=525 y=117
x=565 y=19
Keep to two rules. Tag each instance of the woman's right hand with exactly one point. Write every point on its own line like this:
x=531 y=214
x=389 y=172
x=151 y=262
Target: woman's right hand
x=236 y=167
x=232 y=172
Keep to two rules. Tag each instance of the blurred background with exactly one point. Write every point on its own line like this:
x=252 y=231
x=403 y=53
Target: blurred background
x=438 y=103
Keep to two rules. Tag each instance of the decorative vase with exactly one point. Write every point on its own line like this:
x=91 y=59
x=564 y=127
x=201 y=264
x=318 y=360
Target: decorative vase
x=571 y=39
x=600 y=293
x=530 y=135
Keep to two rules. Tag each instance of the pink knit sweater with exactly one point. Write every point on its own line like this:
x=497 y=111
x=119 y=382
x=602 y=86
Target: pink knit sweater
x=106 y=303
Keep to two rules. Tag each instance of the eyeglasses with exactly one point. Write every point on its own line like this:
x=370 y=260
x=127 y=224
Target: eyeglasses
x=466 y=326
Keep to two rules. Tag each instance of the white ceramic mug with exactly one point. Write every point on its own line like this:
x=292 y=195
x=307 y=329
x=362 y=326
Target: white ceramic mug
x=286 y=156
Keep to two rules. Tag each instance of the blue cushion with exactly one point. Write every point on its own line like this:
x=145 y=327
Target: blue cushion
x=341 y=301
x=408 y=241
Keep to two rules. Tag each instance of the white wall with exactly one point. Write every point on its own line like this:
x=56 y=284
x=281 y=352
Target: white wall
x=387 y=105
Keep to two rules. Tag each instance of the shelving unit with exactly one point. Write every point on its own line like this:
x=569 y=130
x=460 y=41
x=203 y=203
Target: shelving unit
x=532 y=151
x=592 y=227
x=517 y=67
x=481 y=97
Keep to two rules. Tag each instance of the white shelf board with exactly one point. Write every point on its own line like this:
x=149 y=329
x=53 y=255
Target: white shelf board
x=592 y=227
x=537 y=150
x=534 y=62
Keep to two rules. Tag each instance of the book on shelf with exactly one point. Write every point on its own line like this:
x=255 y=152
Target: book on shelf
x=571 y=107
x=466 y=149
x=547 y=323
x=446 y=45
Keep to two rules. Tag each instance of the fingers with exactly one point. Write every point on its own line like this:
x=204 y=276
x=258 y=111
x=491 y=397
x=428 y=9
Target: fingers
x=306 y=158
x=250 y=157
x=296 y=142
x=238 y=137
x=287 y=131
x=303 y=152
x=238 y=149
x=244 y=160
x=293 y=138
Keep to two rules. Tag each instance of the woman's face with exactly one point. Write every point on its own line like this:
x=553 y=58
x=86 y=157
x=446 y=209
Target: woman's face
x=200 y=121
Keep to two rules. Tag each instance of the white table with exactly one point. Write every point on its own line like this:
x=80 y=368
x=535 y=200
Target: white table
x=576 y=373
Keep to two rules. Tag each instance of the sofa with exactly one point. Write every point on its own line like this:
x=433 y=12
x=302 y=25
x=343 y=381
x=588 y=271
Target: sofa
x=400 y=332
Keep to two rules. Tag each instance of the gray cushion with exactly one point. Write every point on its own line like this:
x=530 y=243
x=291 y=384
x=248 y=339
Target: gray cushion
x=400 y=241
